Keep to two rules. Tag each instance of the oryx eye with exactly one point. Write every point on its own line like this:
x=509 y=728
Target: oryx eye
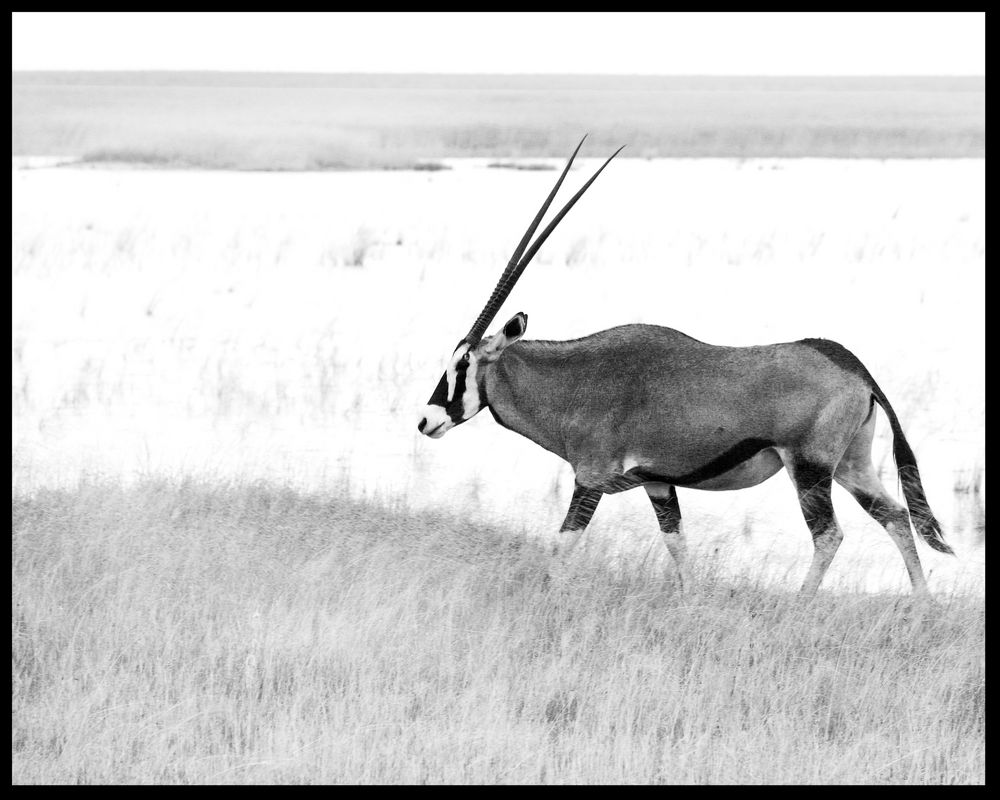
x=465 y=358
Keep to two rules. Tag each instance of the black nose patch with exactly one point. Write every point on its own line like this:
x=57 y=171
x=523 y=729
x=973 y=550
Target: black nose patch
x=422 y=425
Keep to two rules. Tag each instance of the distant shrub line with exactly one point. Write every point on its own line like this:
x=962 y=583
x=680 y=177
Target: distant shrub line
x=193 y=120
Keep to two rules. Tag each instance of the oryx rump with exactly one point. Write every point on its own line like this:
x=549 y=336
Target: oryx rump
x=643 y=405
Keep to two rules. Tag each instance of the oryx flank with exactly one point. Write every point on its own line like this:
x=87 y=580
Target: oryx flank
x=642 y=405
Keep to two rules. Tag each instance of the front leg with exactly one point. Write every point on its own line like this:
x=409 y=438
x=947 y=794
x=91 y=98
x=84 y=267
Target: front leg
x=668 y=514
x=581 y=510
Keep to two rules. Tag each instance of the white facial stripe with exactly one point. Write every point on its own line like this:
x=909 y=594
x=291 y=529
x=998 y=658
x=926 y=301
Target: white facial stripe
x=452 y=373
x=470 y=403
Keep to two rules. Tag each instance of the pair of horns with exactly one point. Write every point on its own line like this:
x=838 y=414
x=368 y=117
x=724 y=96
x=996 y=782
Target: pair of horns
x=517 y=264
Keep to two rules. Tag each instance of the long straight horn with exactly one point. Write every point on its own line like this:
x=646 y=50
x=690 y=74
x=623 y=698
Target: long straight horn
x=552 y=225
x=504 y=285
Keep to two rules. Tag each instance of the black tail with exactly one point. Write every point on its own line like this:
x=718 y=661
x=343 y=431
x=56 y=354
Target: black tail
x=909 y=476
x=906 y=463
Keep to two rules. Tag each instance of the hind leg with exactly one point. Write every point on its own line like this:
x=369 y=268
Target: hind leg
x=813 y=482
x=856 y=473
x=668 y=514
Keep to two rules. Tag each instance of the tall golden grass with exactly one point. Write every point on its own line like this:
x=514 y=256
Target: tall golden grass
x=205 y=633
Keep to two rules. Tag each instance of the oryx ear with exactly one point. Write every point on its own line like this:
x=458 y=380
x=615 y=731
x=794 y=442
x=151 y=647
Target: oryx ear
x=511 y=332
x=516 y=327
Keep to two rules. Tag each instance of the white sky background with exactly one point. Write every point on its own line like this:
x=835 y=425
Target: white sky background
x=805 y=43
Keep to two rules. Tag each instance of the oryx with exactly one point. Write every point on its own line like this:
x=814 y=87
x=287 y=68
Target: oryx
x=643 y=405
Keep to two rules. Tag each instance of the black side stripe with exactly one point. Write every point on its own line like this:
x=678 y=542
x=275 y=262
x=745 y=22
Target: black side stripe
x=720 y=465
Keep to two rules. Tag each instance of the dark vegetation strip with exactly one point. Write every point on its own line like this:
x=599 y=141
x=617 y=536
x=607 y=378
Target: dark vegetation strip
x=254 y=121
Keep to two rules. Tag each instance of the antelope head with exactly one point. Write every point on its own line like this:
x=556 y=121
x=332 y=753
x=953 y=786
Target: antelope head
x=460 y=393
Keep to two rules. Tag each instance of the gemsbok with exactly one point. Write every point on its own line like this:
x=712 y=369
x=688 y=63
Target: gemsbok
x=643 y=405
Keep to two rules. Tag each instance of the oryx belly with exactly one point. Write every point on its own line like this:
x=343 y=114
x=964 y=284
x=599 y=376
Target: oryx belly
x=748 y=463
x=754 y=470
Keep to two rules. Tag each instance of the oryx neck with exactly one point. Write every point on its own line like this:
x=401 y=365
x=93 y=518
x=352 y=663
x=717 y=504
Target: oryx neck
x=530 y=391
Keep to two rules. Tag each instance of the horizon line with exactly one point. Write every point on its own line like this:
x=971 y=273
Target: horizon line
x=494 y=74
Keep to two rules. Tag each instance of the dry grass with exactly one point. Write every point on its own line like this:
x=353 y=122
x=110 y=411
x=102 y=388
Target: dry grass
x=310 y=122
x=192 y=633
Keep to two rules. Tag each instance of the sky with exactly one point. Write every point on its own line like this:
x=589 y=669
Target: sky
x=693 y=43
